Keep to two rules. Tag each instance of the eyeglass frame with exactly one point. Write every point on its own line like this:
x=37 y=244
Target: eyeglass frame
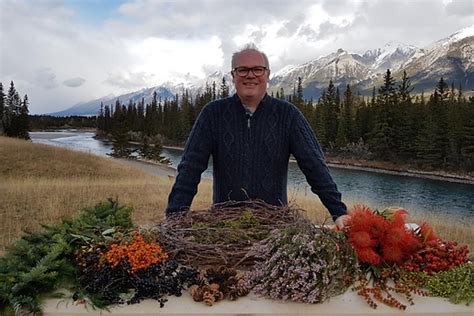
x=252 y=69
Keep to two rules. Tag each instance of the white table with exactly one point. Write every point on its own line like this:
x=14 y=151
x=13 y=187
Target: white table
x=347 y=304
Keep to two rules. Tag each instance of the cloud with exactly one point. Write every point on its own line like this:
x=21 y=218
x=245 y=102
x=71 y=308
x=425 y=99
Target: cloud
x=460 y=8
x=45 y=78
x=290 y=27
x=178 y=19
x=333 y=30
x=147 y=42
x=128 y=80
x=74 y=82
x=307 y=31
x=339 y=7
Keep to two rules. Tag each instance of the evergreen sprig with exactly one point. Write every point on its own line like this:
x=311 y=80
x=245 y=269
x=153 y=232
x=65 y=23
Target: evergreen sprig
x=42 y=262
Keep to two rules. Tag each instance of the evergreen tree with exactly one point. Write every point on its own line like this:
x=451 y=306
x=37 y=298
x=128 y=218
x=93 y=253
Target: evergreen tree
x=12 y=111
x=320 y=121
x=214 y=93
x=426 y=143
x=224 y=89
x=100 y=118
x=2 y=108
x=141 y=117
x=404 y=89
x=107 y=120
x=348 y=115
x=439 y=107
x=282 y=94
x=120 y=131
x=341 y=137
x=151 y=148
x=405 y=123
x=298 y=97
x=467 y=140
x=382 y=140
x=23 y=120
x=461 y=98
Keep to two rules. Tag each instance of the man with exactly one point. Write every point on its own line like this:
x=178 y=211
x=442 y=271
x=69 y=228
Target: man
x=250 y=136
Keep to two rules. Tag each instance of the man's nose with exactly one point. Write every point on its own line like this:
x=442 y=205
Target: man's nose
x=250 y=74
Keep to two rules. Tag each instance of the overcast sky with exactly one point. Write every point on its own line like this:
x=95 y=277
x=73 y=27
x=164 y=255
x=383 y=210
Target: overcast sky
x=64 y=52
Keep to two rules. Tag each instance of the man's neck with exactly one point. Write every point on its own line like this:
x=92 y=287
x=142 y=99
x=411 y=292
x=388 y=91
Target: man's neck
x=251 y=103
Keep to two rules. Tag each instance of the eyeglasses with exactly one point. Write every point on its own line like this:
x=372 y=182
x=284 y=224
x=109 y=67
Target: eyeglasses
x=244 y=71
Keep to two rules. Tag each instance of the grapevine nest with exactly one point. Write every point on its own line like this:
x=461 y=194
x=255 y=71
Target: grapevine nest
x=224 y=234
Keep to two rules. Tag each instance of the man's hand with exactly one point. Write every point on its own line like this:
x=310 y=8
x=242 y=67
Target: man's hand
x=341 y=221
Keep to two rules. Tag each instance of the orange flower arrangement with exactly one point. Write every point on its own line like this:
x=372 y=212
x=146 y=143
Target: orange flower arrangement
x=380 y=237
x=139 y=253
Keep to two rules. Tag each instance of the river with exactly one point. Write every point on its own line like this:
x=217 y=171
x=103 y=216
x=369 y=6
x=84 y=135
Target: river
x=420 y=196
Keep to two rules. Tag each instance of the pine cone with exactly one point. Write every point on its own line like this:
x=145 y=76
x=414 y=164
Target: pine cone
x=208 y=298
x=196 y=293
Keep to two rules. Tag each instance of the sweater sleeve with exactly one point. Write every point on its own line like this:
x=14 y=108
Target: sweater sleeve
x=193 y=163
x=310 y=158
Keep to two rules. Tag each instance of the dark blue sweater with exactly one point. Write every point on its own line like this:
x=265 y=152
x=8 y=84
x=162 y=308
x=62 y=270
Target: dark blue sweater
x=251 y=154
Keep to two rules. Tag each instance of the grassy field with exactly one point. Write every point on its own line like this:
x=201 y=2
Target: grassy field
x=41 y=184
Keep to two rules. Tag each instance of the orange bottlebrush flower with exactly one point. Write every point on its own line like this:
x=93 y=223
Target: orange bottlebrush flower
x=358 y=215
x=392 y=253
x=361 y=239
x=368 y=255
x=395 y=235
x=377 y=226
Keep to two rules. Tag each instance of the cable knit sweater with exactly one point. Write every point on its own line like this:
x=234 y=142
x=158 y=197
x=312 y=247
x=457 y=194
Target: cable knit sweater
x=250 y=155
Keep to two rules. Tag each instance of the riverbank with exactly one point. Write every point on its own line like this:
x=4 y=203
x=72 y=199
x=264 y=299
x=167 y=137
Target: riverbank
x=49 y=135
x=401 y=170
x=386 y=168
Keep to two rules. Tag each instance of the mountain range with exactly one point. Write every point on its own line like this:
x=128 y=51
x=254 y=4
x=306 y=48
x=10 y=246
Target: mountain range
x=451 y=58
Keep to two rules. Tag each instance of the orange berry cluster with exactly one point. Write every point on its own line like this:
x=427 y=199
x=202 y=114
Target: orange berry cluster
x=139 y=254
x=436 y=256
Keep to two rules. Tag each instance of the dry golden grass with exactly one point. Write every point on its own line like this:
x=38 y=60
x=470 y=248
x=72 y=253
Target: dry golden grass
x=41 y=184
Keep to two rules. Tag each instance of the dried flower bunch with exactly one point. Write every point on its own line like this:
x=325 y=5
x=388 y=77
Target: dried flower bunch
x=219 y=283
x=224 y=234
x=304 y=264
x=390 y=255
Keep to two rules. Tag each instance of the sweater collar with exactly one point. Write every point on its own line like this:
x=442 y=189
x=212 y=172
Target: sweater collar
x=261 y=105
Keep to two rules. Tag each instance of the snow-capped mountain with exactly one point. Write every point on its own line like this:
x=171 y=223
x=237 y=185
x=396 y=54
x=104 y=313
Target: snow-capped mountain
x=451 y=58
x=334 y=66
x=344 y=68
x=93 y=107
x=167 y=90
x=392 y=56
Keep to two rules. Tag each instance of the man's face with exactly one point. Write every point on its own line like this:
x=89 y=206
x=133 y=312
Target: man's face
x=250 y=87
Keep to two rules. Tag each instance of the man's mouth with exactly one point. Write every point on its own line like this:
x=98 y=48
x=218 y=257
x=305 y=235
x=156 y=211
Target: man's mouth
x=250 y=84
